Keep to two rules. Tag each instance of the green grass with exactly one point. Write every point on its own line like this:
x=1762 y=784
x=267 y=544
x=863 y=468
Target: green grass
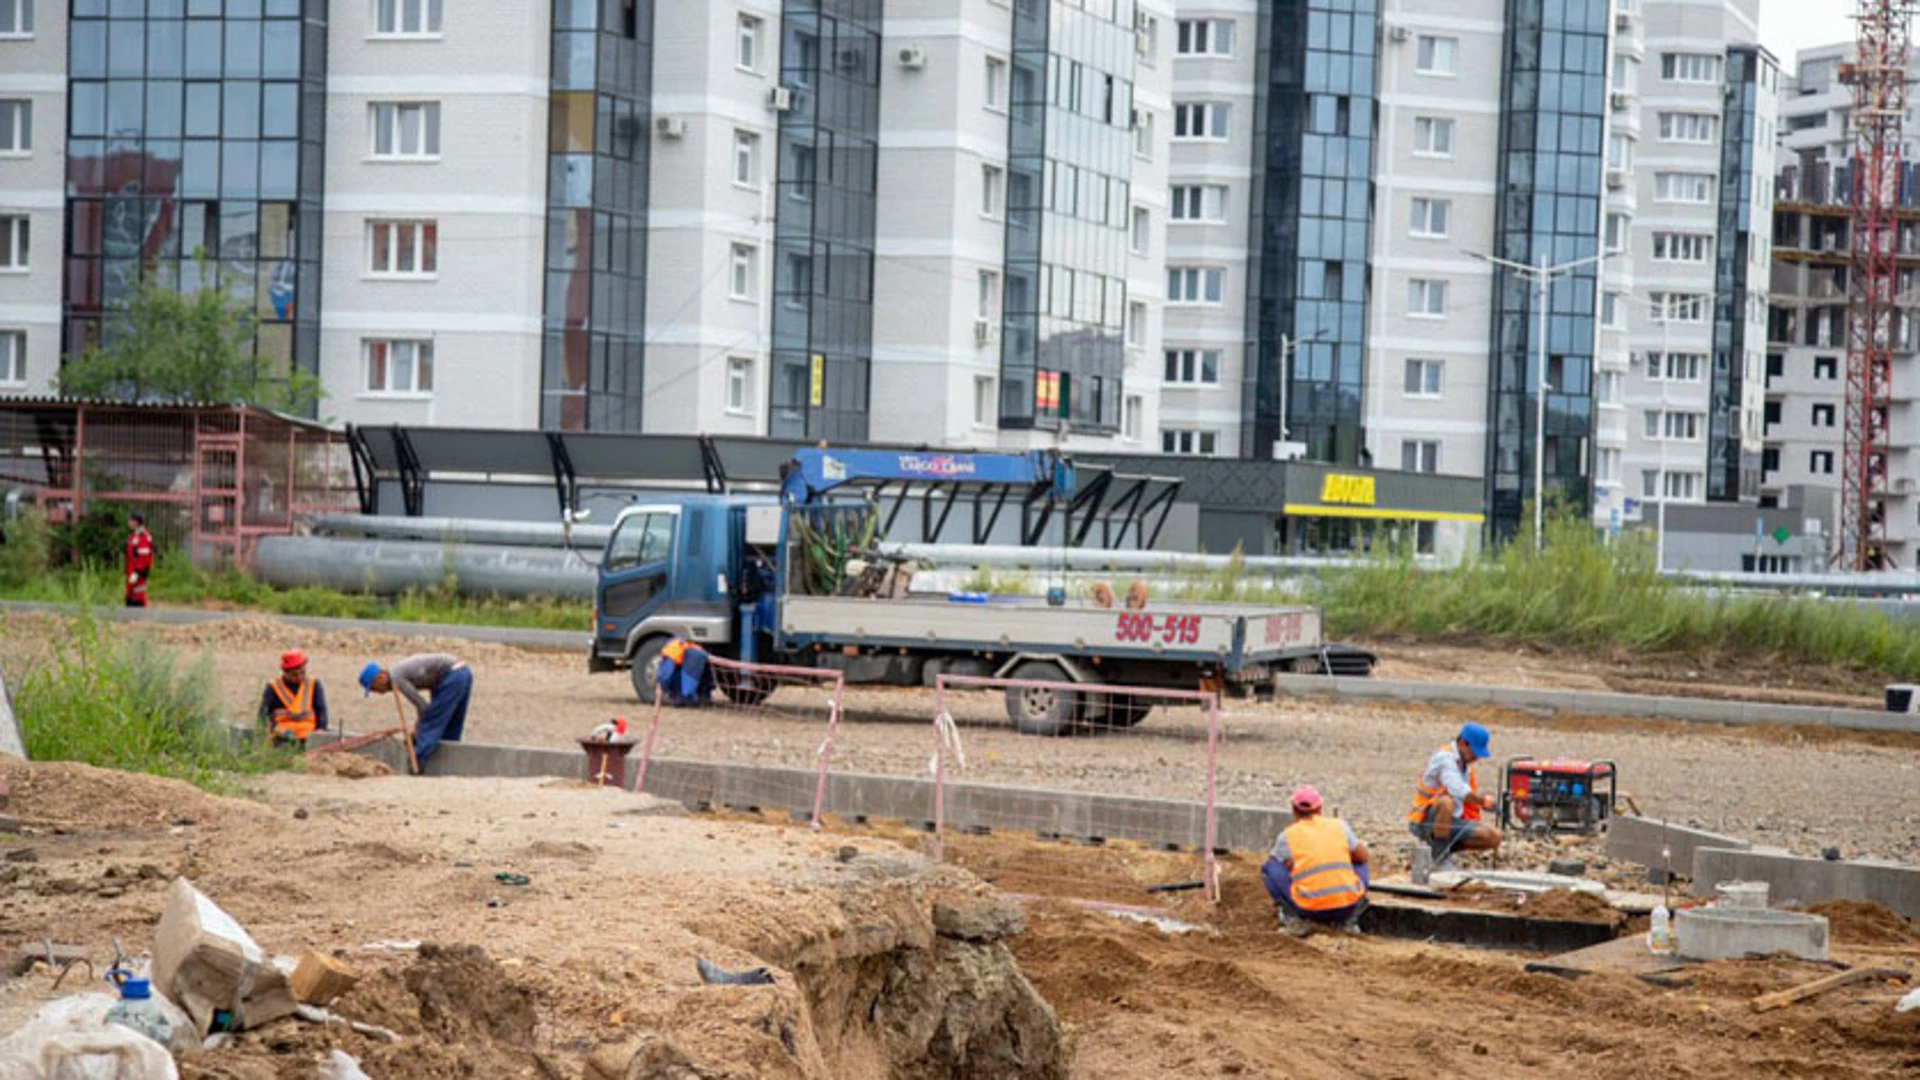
x=124 y=702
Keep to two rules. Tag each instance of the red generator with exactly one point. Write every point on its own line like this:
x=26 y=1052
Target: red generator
x=1556 y=795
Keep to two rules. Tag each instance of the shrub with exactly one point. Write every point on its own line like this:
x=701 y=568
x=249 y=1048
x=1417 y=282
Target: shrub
x=26 y=548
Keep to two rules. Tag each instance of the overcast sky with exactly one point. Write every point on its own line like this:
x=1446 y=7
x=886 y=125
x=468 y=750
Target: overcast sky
x=1787 y=26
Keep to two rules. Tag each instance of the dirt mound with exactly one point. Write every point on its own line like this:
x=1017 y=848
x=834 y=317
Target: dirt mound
x=347 y=766
x=464 y=994
x=68 y=795
x=1863 y=922
x=569 y=850
x=1573 y=906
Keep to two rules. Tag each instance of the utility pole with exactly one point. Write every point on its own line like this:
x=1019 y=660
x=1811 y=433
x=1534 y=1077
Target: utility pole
x=1288 y=345
x=1542 y=276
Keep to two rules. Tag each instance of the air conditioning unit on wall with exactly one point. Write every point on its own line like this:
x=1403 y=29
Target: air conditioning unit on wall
x=1398 y=33
x=780 y=99
x=982 y=331
x=913 y=57
x=670 y=127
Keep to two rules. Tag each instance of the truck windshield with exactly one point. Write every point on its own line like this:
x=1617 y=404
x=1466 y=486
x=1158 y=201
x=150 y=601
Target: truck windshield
x=640 y=539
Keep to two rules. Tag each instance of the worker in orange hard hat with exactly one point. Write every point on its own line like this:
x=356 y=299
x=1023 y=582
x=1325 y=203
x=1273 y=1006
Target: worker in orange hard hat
x=293 y=706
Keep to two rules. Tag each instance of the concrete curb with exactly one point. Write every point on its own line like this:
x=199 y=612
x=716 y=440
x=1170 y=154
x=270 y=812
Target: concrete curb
x=1648 y=706
x=1071 y=814
x=10 y=738
x=562 y=640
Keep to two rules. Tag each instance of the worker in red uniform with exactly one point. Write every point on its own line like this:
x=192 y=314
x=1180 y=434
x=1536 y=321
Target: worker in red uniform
x=139 y=560
x=1447 y=802
x=1317 y=871
x=293 y=706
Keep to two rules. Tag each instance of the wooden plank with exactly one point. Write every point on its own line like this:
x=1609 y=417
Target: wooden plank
x=1780 y=999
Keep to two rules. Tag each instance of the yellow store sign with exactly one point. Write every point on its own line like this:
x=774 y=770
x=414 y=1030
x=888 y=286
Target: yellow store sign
x=1341 y=490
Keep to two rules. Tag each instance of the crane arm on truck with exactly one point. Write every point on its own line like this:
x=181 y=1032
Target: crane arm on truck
x=813 y=474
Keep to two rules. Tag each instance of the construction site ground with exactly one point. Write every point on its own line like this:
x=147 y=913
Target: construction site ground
x=599 y=946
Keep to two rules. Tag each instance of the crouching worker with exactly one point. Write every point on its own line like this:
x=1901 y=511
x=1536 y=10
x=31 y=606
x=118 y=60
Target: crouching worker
x=685 y=677
x=293 y=706
x=1447 y=803
x=1317 y=871
x=438 y=686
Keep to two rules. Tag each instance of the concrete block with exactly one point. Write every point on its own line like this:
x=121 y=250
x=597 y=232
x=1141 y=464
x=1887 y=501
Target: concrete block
x=1608 y=703
x=1697 y=709
x=1725 y=933
x=1639 y=840
x=1794 y=879
x=1763 y=712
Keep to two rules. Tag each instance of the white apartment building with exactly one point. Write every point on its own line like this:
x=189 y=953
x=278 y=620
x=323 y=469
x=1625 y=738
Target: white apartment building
x=33 y=108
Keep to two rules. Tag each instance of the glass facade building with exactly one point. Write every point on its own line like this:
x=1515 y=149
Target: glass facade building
x=1552 y=153
x=599 y=135
x=195 y=136
x=822 y=322
x=1311 y=228
x=1731 y=474
x=1070 y=153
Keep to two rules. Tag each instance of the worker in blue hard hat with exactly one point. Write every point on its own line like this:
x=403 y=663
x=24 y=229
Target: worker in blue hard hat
x=1447 y=803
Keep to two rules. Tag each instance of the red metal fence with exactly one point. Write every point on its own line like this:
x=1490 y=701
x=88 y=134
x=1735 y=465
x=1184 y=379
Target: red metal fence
x=210 y=479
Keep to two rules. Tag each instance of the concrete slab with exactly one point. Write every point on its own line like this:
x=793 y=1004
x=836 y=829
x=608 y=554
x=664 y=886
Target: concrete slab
x=1724 y=933
x=1639 y=840
x=1625 y=956
x=1515 y=881
x=1794 y=879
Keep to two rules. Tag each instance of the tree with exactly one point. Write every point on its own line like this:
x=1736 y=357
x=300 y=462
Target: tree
x=165 y=345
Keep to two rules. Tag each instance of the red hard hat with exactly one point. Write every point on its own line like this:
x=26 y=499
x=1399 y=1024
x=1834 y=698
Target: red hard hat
x=291 y=659
x=1306 y=797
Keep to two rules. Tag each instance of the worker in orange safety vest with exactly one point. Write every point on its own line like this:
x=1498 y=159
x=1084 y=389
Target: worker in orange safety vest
x=1447 y=802
x=1317 y=871
x=293 y=706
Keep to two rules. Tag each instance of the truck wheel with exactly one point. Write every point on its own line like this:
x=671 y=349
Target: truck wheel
x=1126 y=710
x=1037 y=710
x=646 y=668
x=743 y=688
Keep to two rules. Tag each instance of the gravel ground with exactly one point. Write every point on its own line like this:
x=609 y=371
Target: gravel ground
x=1774 y=786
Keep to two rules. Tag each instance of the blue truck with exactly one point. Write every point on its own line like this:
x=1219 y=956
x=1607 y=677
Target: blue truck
x=795 y=580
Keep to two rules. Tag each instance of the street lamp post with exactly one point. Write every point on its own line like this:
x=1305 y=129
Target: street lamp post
x=1542 y=276
x=1288 y=345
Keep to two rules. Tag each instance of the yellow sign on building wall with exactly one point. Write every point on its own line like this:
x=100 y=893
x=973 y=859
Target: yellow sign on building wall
x=1344 y=490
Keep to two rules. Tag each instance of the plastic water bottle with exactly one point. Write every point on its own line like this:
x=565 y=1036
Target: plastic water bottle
x=136 y=1009
x=1660 y=931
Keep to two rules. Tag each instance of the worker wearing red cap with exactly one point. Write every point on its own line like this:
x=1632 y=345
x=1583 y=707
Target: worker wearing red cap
x=1317 y=871
x=293 y=706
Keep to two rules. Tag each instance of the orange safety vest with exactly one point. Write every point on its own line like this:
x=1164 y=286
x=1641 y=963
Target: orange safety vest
x=295 y=716
x=1423 y=796
x=1323 y=877
x=676 y=650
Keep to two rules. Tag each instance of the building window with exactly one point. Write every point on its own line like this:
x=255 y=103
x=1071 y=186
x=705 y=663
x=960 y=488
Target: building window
x=1606 y=465
x=13 y=358
x=1142 y=230
x=399 y=367
x=796 y=279
x=1196 y=284
x=1820 y=463
x=1426 y=298
x=986 y=301
x=1616 y=232
x=1143 y=134
x=996 y=88
x=1130 y=414
x=746 y=54
x=1146 y=35
x=1430 y=217
x=740 y=282
x=1200 y=120
x=1826 y=367
x=740 y=385
x=405 y=18
x=1205 y=37
x=1420 y=455
x=991 y=177
x=13 y=243
x=1623 y=66
x=1690 y=67
x=1610 y=310
x=403 y=248
x=406 y=130
x=1682 y=247
x=1619 y=152
x=1423 y=378
x=800 y=184
x=1136 y=323
x=1611 y=384
x=1199 y=202
x=1683 y=485
x=1433 y=136
x=1437 y=55
x=1187 y=441
x=746 y=159
x=16 y=18
x=1823 y=416
x=1677 y=426
x=1675 y=367
x=1681 y=127
x=983 y=401
x=16 y=127
x=1677 y=307
x=1680 y=187
x=1193 y=367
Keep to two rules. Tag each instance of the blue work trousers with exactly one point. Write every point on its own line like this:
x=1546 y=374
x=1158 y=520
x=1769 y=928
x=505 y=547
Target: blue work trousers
x=1280 y=887
x=445 y=715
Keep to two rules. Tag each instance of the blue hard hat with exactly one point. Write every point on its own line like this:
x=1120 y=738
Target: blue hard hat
x=366 y=677
x=1476 y=738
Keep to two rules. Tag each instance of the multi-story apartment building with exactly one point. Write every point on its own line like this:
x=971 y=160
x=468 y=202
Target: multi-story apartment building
x=33 y=165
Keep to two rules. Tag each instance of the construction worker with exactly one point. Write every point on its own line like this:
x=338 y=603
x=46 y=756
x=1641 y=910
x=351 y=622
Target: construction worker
x=685 y=677
x=439 y=687
x=1317 y=871
x=293 y=706
x=139 y=559
x=1447 y=802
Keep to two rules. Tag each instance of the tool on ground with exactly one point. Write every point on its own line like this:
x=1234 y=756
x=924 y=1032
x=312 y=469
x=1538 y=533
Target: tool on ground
x=1782 y=998
x=406 y=732
x=356 y=743
x=1177 y=886
x=1557 y=795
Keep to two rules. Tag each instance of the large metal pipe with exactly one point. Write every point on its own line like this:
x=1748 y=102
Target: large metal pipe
x=1098 y=559
x=585 y=538
x=389 y=567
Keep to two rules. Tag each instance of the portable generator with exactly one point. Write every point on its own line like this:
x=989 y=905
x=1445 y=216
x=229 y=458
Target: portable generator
x=1557 y=795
